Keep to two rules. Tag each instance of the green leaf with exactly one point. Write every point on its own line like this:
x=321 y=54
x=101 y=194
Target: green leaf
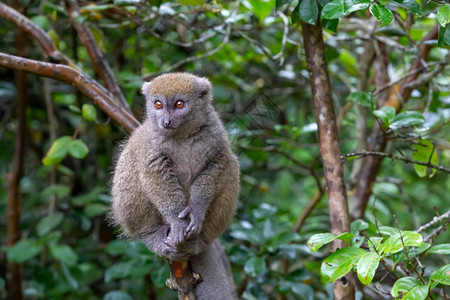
x=117 y=247
x=367 y=265
x=303 y=291
x=295 y=17
x=333 y=10
x=45 y=225
x=262 y=8
x=64 y=254
x=386 y=114
x=41 y=21
x=425 y=152
x=381 y=13
x=24 y=250
x=355 y=5
x=330 y=24
x=410 y=289
x=417 y=293
x=387 y=230
x=374 y=242
x=117 y=295
x=308 y=11
x=280 y=3
x=191 y=2
x=95 y=209
x=406 y=119
x=403 y=285
x=7 y=89
x=394 y=243
x=440 y=249
x=358 y=225
x=89 y=113
x=74 y=109
x=442 y=275
x=254 y=266
x=78 y=149
x=410 y=5
x=127 y=2
x=118 y=270
x=318 y=240
x=362 y=98
x=59 y=190
x=346 y=236
x=57 y=151
x=444 y=36
x=443 y=14
x=340 y=262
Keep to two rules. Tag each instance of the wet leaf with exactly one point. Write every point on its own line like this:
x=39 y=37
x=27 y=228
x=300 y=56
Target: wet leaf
x=340 y=262
x=425 y=152
x=89 y=113
x=255 y=266
x=57 y=151
x=367 y=265
x=78 y=149
x=381 y=13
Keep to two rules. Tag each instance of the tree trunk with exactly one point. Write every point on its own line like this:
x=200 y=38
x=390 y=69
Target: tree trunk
x=329 y=146
x=13 y=178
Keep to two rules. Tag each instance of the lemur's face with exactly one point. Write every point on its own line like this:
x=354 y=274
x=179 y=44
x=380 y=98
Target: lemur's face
x=175 y=99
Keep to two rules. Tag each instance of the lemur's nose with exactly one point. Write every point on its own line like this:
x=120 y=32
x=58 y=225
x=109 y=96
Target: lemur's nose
x=167 y=123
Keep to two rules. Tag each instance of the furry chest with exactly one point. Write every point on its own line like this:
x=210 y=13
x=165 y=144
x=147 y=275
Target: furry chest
x=185 y=165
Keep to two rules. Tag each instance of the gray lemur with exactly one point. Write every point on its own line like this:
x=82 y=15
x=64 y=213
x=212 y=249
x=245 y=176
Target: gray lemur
x=176 y=182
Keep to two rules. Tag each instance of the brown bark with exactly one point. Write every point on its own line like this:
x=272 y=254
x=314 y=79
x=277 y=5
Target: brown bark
x=99 y=63
x=92 y=89
x=329 y=146
x=13 y=178
x=372 y=164
x=35 y=31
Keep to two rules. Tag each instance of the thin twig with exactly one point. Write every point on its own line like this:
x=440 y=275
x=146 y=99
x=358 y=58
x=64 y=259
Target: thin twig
x=406 y=251
x=394 y=157
x=434 y=221
x=283 y=40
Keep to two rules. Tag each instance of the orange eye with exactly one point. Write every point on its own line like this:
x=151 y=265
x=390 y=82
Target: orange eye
x=158 y=104
x=179 y=104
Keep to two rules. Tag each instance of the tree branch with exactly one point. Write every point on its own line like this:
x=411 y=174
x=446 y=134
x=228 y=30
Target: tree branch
x=35 y=31
x=434 y=221
x=395 y=157
x=182 y=279
x=91 y=88
x=98 y=61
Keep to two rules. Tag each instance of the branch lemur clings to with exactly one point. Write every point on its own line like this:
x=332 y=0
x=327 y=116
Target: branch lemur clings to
x=176 y=182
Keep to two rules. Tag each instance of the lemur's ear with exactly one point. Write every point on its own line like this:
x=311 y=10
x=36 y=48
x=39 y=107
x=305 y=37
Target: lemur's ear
x=204 y=86
x=146 y=88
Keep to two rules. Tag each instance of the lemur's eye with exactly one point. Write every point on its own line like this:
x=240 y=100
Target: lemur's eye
x=179 y=104
x=158 y=104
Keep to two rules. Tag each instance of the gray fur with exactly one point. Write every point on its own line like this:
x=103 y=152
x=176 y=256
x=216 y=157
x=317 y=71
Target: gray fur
x=176 y=187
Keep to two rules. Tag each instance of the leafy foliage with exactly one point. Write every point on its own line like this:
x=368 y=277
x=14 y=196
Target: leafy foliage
x=252 y=52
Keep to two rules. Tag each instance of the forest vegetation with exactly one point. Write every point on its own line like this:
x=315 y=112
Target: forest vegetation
x=338 y=111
